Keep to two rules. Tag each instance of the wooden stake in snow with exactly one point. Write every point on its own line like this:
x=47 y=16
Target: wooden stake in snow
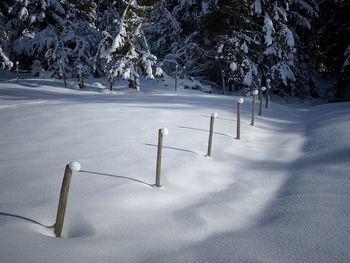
x=81 y=80
x=161 y=133
x=17 y=70
x=268 y=81
x=111 y=82
x=223 y=81
x=211 y=131
x=239 y=102
x=260 y=99
x=255 y=92
x=176 y=73
x=63 y=75
x=62 y=204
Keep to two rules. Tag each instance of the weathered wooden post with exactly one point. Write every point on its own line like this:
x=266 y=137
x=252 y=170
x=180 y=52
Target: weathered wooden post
x=176 y=73
x=255 y=92
x=111 y=82
x=63 y=75
x=239 y=102
x=260 y=99
x=80 y=76
x=223 y=81
x=161 y=133
x=81 y=80
x=62 y=204
x=17 y=70
x=267 y=93
x=211 y=131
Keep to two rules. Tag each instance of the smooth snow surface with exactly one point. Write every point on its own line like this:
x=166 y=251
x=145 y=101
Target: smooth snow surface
x=280 y=194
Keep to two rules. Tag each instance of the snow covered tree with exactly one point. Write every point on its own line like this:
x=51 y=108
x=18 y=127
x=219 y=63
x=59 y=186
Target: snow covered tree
x=33 y=26
x=332 y=39
x=128 y=55
x=75 y=44
x=163 y=30
x=4 y=58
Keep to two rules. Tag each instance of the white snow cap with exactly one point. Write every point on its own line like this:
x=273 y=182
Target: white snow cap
x=240 y=100
x=75 y=166
x=164 y=131
x=263 y=88
x=255 y=92
x=268 y=80
x=214 y=114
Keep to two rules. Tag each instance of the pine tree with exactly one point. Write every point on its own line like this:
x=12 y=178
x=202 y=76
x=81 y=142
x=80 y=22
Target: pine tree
x=33 y=26
x=4 y=39
x=333 y=39
x=128 y=55
x=73 y=51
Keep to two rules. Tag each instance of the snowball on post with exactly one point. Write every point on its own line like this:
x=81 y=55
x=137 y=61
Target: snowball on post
x=263 y=88
x=214 y=114
x=255 y=92
x=240 y=100
x=164 y=131
x=75 y=166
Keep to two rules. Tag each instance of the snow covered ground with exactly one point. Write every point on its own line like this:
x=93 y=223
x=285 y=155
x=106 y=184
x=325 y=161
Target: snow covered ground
x=280 y=194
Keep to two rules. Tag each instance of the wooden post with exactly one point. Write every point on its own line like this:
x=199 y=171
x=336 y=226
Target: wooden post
x=65 y=79
x=255 y=92
x=260 y=99
x=239 y=102
x=176 y=72
x=17 y=70
x=63 y=75
x=62 y=204
x=161 y=133
x=223 y=81
x=81 y=80
x=211 y=130
x=267 y=93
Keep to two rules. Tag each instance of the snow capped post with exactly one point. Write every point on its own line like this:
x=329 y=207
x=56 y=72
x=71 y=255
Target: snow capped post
x=210 y=141
x=267 y=96
x=223 y=81
x=62 y=204
x=17 y=70
x=260 y=99
x=63 y=74
x=111 y=81
x=80 y=76
x=239 y=102
x=161 y=133
x=255 y=92
x=176 y=73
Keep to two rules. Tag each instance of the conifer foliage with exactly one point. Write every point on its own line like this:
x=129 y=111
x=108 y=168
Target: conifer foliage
x=237 y=43
x=128 y=54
